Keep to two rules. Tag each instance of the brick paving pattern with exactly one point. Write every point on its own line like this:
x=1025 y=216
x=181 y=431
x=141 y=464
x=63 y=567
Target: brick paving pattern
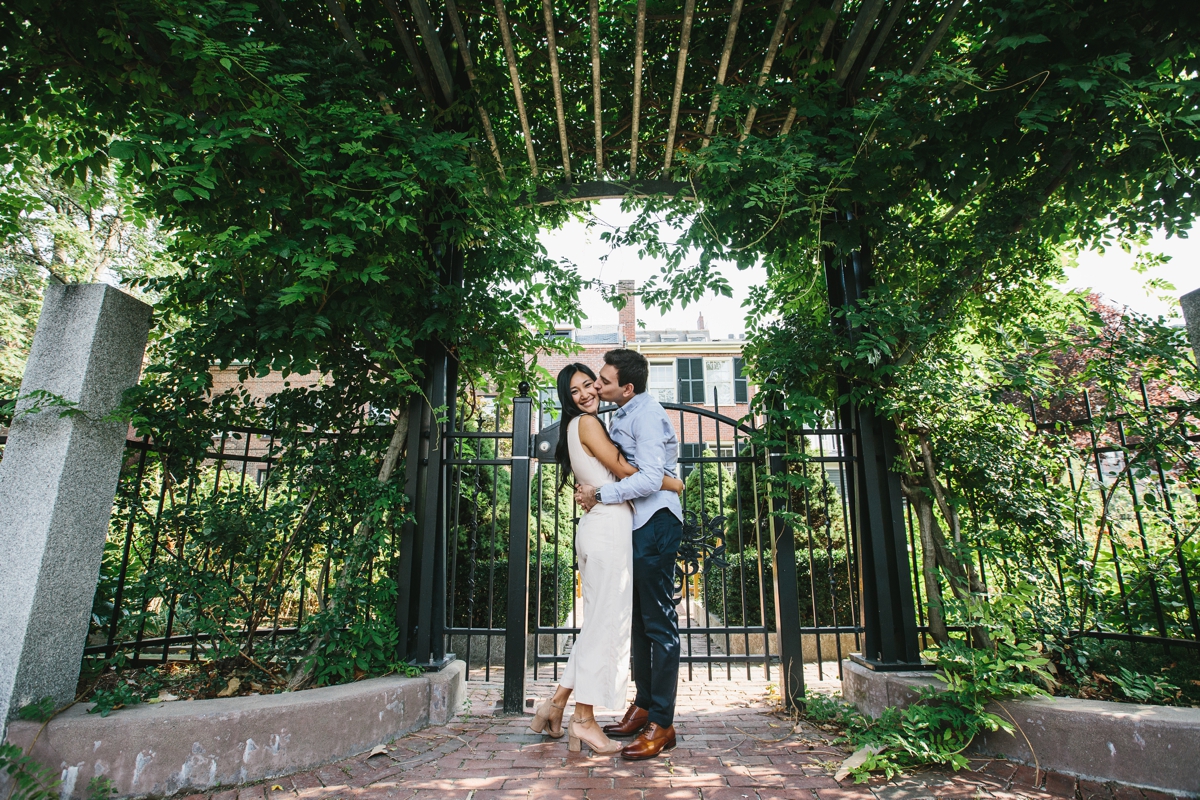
x=733 y=746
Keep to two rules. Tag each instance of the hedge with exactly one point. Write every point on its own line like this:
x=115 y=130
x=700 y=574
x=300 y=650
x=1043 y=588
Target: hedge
x=729 y=606
x=563 y=564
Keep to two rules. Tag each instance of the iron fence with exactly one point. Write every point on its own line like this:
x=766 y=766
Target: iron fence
x=1126 y=564
x=188 y=532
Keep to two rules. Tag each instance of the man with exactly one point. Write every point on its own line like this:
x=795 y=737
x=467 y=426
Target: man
x=641 y=429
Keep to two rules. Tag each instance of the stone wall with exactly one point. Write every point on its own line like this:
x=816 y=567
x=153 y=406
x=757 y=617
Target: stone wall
x=158 y=750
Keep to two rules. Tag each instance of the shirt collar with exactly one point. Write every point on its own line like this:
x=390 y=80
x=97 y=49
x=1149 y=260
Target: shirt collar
x=634 y=404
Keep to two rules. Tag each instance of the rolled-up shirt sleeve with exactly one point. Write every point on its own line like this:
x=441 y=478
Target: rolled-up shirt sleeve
x=650 y=456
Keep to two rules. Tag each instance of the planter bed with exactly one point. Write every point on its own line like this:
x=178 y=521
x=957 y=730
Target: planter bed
x=1154 y=747
x=158 y=750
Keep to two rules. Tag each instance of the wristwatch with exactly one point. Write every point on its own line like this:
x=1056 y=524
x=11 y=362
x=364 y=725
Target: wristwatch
x=597 y=498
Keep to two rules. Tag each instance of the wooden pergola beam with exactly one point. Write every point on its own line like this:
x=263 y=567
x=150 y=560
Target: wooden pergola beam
x=594 y=12
x=410 y=50
x=556 y=83
x=639 y=44
x=722 y=69
x=510 y=56
x=590 y=191
x=768 y=63
x=884 y=31
x=433 y=46
x=818 y=53
x=685 y=36
x=861 y=29
x=460 y=36
x=936 y=39
x=344 y=27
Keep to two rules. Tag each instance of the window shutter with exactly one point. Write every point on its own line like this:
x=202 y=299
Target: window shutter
x=689 y=450
x=691 y=380
x=741 y=390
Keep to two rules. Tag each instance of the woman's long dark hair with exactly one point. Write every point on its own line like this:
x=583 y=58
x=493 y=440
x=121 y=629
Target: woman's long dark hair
x=562 y=453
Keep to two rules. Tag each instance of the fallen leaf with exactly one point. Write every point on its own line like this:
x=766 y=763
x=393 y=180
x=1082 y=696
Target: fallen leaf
x=856 y=759
x=378 y=750
x=277 y=788
x=230 y=687
x=166 y=697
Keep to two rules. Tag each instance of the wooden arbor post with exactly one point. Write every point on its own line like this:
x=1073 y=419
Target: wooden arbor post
x=886 y=592
x=421 y=576
x=421 y=582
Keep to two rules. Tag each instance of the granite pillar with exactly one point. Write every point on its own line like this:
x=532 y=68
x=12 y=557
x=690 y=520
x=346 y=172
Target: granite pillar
x=1191 y=317
x=58 y=478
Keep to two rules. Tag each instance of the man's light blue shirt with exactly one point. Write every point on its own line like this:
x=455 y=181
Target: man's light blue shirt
x=644 y=433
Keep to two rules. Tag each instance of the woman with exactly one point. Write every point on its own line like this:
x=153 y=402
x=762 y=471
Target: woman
x=598 y=669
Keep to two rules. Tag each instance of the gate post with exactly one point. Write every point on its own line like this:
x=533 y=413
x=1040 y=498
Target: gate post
x=885 y=582
x=516 y=629
x=787 y=592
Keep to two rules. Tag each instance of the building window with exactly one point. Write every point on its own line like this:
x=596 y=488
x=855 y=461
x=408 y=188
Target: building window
x=260 y=477
x=662 y=381
x=691 y=379
x=549 y=405
x=718 y=374
x=689 y=450
x=741 y=389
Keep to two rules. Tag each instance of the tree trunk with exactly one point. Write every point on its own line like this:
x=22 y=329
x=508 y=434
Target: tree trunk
x=355 y=550
x=920 y=486
x=260 y=607
x=933 y=590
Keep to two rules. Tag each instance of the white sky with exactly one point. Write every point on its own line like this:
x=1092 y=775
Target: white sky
x=583 y=246
x=1110 y=274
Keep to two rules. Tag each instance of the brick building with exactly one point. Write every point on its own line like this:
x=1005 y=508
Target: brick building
x=686 y=366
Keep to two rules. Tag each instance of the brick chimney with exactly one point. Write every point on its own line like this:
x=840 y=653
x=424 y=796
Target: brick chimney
x=700 y=322
x=628 y=317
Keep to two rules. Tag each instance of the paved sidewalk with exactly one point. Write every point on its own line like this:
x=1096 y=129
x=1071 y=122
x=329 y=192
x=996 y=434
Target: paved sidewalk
x=732 y=747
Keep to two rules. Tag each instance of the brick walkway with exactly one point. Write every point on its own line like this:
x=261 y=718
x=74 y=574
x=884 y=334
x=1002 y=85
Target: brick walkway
x=732 y=747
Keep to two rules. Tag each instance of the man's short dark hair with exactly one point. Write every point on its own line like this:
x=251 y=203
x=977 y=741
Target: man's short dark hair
x=631 y=367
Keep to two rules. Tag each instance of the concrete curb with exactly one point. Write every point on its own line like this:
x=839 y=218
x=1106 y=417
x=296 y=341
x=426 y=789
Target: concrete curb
x=158 y=750
x=1153 y=747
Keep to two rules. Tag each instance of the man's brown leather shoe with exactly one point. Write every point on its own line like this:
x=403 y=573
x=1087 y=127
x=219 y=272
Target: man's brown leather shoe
x=652 y=742
x=631 y=724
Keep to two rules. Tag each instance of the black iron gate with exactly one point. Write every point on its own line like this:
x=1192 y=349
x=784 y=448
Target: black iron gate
x=766 y=580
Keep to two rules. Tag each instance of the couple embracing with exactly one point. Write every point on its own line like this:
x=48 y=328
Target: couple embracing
x=626 y=545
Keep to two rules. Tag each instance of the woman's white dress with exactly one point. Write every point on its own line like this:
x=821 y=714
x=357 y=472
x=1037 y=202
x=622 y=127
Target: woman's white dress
x=598 y=669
